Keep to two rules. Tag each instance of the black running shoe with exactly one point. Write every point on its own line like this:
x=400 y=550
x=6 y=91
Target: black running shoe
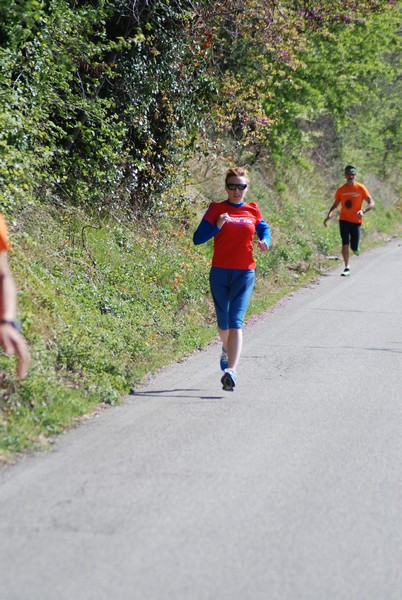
x=228 y=380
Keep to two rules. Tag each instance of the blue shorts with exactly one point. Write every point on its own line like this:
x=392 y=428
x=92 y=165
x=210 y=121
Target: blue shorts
x=350 y=234
x=231 y=291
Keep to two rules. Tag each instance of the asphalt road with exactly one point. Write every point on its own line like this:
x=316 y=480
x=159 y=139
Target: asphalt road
x=289 y=488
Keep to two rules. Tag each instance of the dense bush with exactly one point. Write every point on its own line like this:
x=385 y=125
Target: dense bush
x=98 y=100
x=101 y=102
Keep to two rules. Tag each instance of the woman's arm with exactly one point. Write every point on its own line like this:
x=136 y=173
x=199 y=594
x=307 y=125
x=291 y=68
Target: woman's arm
x=204 y=232
x=263 y=231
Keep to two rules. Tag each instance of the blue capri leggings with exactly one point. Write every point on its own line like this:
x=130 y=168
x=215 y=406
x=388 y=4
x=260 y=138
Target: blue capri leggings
x=231 y=291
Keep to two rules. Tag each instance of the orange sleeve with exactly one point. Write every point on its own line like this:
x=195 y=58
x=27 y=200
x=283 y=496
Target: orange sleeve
x=4 y=247
x=365 y=192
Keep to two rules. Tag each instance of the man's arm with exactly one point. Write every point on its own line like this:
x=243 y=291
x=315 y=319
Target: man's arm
x=10 y=339
x=370 y=205
x=8 y=291
x=331 y=211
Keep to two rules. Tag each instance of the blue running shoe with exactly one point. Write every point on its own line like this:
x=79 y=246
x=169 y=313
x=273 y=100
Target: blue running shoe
x=228 y=380
x=224 y=359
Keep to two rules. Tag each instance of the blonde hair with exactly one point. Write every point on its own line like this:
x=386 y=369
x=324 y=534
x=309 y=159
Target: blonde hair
x=236 y=172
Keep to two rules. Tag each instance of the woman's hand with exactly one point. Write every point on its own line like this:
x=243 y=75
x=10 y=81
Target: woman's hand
x=224 y=218
x=263 y=245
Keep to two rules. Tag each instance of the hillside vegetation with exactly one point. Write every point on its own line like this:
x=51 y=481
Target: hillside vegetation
x=118 y=121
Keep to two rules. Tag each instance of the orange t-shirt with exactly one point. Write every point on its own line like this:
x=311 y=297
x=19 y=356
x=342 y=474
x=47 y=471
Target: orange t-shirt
x=351 y=199
x=4 y=247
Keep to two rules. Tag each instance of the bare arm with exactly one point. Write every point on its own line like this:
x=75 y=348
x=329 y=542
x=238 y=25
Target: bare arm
x=370 y=205
x=331 y=212
x=8 y=291
x=10 y=339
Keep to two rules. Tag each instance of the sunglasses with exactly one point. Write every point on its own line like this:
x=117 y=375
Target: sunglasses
x=236 y=186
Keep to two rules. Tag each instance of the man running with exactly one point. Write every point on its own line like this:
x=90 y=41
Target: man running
x=350 y=196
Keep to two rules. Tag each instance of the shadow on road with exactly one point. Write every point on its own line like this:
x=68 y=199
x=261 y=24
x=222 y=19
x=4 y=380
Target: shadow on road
x=174 y=394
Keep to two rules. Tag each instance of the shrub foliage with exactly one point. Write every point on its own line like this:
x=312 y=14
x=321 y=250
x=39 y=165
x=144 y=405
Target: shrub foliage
x=101 y=101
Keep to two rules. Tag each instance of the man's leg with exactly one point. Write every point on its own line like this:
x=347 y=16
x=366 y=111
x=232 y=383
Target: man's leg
x=344 y=228
x=355 y=237
x=345 y=254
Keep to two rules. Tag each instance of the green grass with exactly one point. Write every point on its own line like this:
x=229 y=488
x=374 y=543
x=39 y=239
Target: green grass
x=105 y=302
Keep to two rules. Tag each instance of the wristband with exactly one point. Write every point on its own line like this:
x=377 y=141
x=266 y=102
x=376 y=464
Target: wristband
x=12 y=323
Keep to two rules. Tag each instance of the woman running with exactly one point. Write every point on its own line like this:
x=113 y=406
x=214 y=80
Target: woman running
x=232 y=223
